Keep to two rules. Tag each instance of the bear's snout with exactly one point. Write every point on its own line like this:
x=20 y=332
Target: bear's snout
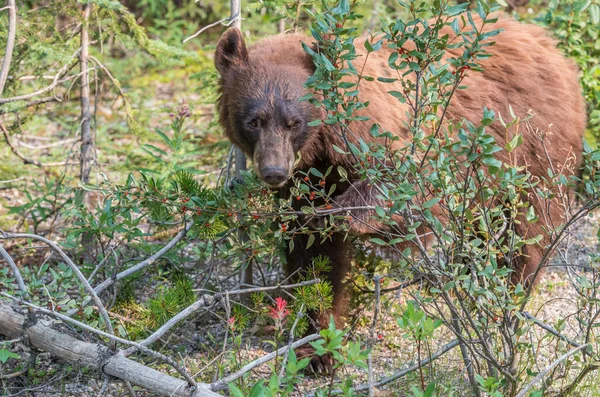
x=274 y=176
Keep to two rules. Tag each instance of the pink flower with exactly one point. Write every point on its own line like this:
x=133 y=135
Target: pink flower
x=231 y=323
x=279 y=312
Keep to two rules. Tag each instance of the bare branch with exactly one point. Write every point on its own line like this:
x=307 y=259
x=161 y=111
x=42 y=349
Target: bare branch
x=10 y=43
x=22 y=156
x=126 y=273
x=550 y=329
x=206 y=301
x=14 y=268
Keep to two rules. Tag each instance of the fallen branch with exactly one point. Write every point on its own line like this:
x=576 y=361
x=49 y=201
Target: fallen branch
x=13 y=324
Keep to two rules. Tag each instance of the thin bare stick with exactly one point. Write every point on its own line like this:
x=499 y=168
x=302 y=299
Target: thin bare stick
x=10 y=43
x=550 y=329
x=69 y=262
x=40 y=101
x=222 y=383
x=549 y=368
x=205 y=28
x=205 y=301
x=15 y=270
x=46 y=146
x=291 y=341
x=371 y=377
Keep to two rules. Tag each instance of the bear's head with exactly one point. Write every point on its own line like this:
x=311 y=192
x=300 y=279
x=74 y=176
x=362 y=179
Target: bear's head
x=259 y=105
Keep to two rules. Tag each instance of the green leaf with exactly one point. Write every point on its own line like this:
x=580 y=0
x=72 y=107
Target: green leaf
x=378 y=241
x=235 y=391
x=6 y=354
x=311 y=240
x=431 y=202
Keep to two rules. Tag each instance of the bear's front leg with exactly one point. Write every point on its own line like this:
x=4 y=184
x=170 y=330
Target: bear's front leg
x=339 y=251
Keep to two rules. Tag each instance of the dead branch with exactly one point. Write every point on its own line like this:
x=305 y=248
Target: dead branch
x=13 y=324
x=14 y=268
x=10 y=43
x=46 y=146
x=550 y=329
x=111 y=337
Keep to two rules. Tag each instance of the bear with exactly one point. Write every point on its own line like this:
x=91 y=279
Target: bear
x=261 y=112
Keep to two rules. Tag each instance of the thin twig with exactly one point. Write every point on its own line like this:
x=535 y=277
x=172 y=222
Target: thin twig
x=15 y=270
x=126 y=273
x=550 y=329
x=221 y=21
x=22 y=156
x=377 y=281
x=291 y=341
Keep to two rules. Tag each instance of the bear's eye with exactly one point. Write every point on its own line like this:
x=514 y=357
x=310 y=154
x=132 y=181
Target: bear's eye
x=294 y=124
x=253 y=123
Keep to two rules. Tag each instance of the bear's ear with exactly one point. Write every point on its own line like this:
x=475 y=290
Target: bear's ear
x=231 y=51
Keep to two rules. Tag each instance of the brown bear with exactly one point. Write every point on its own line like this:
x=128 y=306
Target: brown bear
x=260 y=111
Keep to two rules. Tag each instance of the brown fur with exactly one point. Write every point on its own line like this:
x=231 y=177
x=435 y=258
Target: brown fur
x=525 y=71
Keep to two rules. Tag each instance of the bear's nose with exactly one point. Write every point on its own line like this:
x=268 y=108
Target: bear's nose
x=274 y=175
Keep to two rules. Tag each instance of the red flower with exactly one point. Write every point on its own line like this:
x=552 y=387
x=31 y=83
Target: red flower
x=231 y=323
x=279 y=312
